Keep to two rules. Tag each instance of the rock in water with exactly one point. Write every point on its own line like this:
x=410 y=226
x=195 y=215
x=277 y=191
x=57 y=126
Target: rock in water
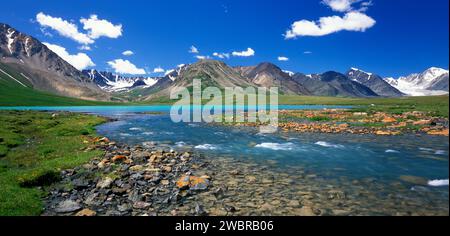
x=67 y=206
x=193 y=182
x=414 y=180
x=306 y=211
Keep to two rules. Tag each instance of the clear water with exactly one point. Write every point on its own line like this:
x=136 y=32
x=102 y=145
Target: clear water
x=357 y=156
x=354 y=157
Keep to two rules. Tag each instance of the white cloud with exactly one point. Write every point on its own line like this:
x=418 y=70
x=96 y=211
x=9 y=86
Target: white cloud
x=128 y=53
x=352 y=21
x=365 y=6
x=121 y=66
x=248 y=53
x=158 y=70
x=283 y=59
x=194 y=50
x=63 y=27
x=80 y=61
x=202 y=57
x=307 y=52
x=101 y=28
x=340 y=5
x=221 y=55
x=85 y=47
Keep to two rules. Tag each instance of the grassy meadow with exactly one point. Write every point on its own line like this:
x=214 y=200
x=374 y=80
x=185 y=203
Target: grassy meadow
x=34 y=148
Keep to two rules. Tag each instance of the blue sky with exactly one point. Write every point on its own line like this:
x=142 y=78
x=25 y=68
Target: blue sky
x=391 y=38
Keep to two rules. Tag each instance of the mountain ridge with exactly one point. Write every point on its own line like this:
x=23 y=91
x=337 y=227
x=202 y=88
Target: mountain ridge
x=44 y=69
x=433 y=81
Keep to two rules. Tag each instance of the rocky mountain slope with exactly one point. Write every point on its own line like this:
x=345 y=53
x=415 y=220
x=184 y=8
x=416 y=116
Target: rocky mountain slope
x=210 y=72
x=269 y=75
x=333 y=84
x=374 y=82
x=44 y=69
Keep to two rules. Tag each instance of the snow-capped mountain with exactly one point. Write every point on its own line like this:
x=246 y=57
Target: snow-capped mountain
x=374 y=82
x=116 y=83
x=433 y=81
x=44 y=69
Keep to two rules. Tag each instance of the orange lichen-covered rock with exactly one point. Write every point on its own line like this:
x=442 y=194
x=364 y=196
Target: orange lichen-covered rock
x=388 y=119
x=422 y=122
x=119 y=158
x=183 y=182
x=193 y=182
x=386 y=133
x=438 y=132
x=86 y=212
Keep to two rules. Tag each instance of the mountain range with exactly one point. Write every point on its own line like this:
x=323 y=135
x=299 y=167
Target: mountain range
x=44 y=69
x=41 y=69
x=433 y=81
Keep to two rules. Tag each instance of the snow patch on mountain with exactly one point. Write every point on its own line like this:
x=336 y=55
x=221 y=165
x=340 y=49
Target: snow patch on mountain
x=419 y=84
x=10 y=39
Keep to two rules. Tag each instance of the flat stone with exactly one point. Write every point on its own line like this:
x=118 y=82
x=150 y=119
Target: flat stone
x=141 y=205
x=105 y=183
x=67 y=206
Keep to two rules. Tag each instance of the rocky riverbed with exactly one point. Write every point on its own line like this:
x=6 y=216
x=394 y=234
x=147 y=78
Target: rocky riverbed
x=153 y=180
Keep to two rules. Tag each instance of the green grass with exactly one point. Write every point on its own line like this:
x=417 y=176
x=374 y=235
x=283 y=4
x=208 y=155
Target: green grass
x=34 y=148
x=437 y=105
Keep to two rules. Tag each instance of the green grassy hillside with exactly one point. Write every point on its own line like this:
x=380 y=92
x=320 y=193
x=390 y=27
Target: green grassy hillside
x=13 y=93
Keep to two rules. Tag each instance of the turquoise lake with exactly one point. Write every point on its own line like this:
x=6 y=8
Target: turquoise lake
x=383 y=160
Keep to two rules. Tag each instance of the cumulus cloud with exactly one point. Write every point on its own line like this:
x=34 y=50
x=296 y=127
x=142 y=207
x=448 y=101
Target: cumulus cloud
x=202 y=57
x=221 y=55
x=248 y=53
x=128 y=53
x=158 y=70
x=352 y=21
x=95 y=28
x=80 y=61
x=63 y=27
x=101 y=28
x=121 y=66
x=283 y=58
x=194 y=50
x=340 y=5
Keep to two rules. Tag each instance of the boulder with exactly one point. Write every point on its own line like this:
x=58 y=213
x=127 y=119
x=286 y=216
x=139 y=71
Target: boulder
x=67 y=206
